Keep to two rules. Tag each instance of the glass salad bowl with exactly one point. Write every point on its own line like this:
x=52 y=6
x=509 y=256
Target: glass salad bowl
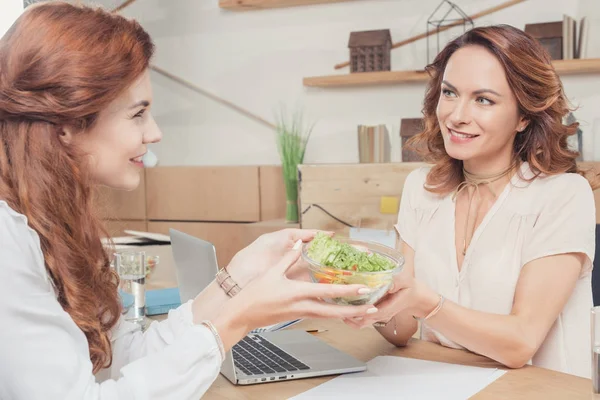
x=151 y=263
x=345 y=261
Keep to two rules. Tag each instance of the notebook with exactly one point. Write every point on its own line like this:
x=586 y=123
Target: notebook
x=160 y=301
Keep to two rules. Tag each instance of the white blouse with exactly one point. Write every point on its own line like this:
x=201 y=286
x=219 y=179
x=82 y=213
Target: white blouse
x=44 y=355
x=529 y=220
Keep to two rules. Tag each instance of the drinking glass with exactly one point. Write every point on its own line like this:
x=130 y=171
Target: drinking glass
x=131 y=267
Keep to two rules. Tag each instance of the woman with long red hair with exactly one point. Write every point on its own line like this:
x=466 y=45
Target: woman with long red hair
x=498 y=234
x=75 y=99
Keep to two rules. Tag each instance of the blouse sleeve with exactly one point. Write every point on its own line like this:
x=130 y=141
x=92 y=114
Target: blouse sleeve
x=45 y=355
x=566 y=224
x=129 y=343
x=407 y=217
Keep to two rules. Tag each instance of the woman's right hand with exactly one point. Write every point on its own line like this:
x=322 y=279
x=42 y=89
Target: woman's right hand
x=272 y=298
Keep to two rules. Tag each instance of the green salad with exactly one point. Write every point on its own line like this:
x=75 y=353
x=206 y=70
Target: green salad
x=332 y=253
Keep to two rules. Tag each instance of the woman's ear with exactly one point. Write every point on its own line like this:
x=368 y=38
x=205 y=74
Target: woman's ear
x=522 y=125
x=66 y=134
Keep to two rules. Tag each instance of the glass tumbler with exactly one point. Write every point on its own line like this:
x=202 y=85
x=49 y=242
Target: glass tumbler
x=131 y=267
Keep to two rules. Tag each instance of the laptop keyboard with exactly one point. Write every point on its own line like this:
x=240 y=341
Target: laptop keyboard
x=255 y=355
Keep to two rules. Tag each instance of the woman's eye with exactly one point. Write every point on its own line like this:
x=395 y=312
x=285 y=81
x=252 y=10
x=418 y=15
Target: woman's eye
x=139 y=114
x=484 y=101
x=447 y=92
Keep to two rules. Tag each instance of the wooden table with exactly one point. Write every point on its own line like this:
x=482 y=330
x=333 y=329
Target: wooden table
x=529 y=382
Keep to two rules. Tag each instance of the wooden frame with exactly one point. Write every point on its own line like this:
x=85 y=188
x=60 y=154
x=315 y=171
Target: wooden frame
x=245 y=5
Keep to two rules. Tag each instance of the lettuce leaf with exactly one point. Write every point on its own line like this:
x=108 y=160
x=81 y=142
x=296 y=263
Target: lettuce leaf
x=332 y=253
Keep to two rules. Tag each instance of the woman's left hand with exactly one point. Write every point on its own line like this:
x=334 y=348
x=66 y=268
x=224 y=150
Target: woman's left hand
x=266 y=251
x=407 y=296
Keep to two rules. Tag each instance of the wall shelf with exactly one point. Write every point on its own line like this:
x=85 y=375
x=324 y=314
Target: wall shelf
x=563 y=67
x=245 y=5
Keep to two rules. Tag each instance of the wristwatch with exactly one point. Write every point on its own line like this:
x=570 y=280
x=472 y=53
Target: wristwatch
x=227 y=283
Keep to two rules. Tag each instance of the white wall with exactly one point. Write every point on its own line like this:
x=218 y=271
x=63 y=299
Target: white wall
x=9 y=12
x=257 y=59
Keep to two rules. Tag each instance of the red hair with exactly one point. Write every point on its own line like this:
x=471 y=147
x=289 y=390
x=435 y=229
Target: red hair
x=540 y=97
x=60 y=65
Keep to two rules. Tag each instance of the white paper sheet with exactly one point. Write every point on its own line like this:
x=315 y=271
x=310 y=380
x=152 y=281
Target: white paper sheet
x=389 y=377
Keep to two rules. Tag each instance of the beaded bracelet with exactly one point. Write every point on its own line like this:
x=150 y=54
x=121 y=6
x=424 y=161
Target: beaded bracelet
x=212 y=328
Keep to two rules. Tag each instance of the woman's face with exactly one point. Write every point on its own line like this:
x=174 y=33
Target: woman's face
x=477 y=111
x=116 y=143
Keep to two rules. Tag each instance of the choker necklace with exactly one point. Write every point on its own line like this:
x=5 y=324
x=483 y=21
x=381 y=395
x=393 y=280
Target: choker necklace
x=474 y=181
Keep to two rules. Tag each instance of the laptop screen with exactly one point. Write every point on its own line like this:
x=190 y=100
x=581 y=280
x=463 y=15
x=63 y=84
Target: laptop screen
x=195 y=263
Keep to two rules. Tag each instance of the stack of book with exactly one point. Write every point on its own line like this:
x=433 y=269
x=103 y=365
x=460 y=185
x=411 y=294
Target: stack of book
x=561 y=38
x=373 y=144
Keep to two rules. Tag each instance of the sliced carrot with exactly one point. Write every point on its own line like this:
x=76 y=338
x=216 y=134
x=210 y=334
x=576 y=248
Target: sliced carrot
x=324 y=277
x=339 y=272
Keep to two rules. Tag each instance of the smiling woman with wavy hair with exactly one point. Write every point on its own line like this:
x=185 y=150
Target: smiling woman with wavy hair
x=498 y=234
x=75 y=101
x=540 y=98
x=43 y=90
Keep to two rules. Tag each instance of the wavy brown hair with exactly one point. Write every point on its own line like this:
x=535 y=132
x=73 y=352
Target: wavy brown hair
x=540 y=97
x=60 y=65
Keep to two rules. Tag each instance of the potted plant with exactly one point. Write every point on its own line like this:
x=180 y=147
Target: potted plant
x=292 y=136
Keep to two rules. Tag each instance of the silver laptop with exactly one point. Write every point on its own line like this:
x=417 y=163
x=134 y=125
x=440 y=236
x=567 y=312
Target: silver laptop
x=264 y=357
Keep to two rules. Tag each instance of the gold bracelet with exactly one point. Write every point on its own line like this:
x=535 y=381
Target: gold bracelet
x=215 y=333
x=435 y=310
x=227 y=283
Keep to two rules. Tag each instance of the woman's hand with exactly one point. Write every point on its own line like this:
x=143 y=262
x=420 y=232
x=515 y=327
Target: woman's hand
x=406 y=296
x=272 y=298
x=265 y=252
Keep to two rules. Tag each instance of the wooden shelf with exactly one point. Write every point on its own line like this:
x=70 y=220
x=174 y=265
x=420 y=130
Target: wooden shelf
x=576 y=67
x=245 y=5
x=563 y=67
x=367 y=78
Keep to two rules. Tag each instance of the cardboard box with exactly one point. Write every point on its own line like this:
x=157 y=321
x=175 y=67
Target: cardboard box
x=352 y=193
x=203 y=193
x=121 y=204
x=252 y=231
x=272 y=192
x=117 y=228
x=228 y=238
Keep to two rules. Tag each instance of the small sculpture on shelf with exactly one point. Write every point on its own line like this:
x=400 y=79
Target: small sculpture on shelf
x=447 y=15
x=370 y=51
x=410 y=127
